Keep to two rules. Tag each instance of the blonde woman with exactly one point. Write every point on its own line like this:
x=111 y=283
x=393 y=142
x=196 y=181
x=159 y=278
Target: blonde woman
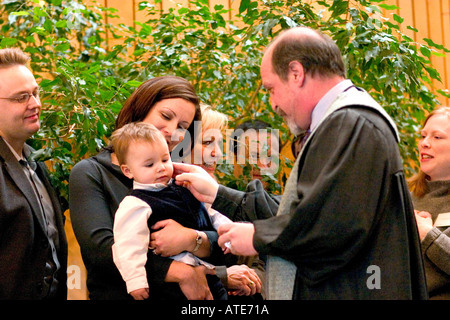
x=207 y=150
x=242 y=275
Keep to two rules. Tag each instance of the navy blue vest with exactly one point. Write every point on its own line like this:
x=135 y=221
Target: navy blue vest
x=177 y=203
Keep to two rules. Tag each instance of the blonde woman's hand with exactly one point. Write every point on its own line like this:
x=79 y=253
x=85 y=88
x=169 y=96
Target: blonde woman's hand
x=243 y=281
x=424 y=223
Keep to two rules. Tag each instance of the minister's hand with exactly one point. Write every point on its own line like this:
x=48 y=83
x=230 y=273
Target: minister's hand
x=197 y=180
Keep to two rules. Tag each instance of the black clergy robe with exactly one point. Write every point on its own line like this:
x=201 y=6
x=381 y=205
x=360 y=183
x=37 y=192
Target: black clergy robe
x=352 y=233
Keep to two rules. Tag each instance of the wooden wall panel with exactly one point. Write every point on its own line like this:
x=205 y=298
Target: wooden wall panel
x=446 y=41
x=406 y=12
x=432 y=19
x=435 y=25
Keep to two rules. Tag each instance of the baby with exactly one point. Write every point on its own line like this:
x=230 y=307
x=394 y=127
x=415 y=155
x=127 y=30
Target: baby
x=144 y=156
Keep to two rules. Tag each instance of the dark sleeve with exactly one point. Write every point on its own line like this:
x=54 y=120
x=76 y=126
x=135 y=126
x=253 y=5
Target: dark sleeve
x=91 y=217
x=221 y=273
x=157 y=268
x=252 y=204
x=215 y=251
x=436 y=247
x=342 y=175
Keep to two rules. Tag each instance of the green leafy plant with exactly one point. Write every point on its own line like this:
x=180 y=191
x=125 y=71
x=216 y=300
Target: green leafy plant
x=86 y=79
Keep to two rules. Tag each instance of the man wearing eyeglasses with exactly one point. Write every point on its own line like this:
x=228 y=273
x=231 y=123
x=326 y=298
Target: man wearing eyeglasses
x=33 y=246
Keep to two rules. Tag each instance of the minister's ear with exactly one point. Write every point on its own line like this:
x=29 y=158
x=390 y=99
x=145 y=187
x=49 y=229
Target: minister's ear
x=126 y=171
x=297 y=72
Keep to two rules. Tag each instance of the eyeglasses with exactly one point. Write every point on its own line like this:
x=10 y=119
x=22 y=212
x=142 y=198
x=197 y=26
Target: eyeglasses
x=24 y=97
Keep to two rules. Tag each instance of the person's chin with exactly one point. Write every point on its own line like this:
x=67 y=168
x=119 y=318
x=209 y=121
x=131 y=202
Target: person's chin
x=33 y=128
x=209 y=168
x=293 y=127
x=163 y=180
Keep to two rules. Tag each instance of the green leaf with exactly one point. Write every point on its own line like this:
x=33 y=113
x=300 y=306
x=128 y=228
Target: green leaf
x=398 y=18
x=425 y=51
x=244 y=5
x=133 y=83
x=62 y=47
x=412 y=28
x=388 y=7
x=61 y=24
x=8 y=42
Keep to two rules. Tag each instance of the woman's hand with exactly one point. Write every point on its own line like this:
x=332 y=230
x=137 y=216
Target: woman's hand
x=192 y=280
x=172 y=238
x=424 y=223
x=243 y=281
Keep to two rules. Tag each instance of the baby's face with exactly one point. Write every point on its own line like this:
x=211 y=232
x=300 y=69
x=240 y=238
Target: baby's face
x=148 y=162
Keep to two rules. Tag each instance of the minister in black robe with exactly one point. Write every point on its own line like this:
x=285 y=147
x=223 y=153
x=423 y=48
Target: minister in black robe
x=345 y=226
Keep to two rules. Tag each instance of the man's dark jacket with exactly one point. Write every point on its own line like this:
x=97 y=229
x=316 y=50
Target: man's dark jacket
x=24 y=246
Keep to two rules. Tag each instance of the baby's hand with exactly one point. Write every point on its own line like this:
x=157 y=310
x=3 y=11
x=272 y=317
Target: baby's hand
x=140 y=294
